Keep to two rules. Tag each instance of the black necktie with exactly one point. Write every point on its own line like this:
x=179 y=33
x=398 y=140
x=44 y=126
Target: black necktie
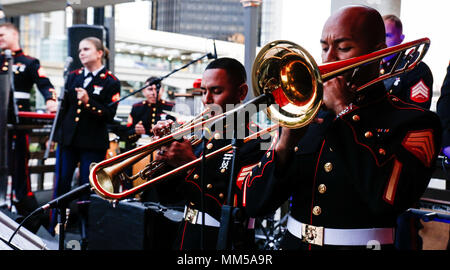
x=88 y=79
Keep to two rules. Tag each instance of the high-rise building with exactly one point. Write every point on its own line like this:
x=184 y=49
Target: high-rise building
x=214 y=19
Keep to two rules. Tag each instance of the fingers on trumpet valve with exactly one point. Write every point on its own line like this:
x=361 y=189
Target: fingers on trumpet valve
x=162 y=128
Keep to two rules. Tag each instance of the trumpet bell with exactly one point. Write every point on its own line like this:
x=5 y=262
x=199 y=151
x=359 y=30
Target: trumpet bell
x=288 y=72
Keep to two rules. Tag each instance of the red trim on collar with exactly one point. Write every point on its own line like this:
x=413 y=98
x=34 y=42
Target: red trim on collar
x=271 y=148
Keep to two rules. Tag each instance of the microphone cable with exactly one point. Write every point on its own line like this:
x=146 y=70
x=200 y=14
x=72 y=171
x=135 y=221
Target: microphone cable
x=23 y=222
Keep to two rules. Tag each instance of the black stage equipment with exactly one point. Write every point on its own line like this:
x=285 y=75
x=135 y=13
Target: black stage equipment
x=131 y=225
x=78 y=32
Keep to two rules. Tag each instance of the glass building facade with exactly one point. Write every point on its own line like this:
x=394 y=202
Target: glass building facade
x=215 y=19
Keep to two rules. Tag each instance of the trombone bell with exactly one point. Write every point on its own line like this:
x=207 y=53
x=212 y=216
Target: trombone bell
x=288 y=72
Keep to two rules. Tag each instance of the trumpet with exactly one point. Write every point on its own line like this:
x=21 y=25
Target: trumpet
x=156 y=166
x=283 y=75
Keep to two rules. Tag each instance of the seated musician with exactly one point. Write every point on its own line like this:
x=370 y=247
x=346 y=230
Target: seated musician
x=443 y=110
x=27 y=72
x=364 y=160
x=223 y=83
x=144 y=115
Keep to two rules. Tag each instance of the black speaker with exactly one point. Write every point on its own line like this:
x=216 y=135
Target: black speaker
x=78 y=32
x=131 y=225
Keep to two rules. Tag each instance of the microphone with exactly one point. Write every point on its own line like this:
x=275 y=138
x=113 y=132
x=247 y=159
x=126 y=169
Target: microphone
x=67 y=64
x=156 y=82
x=67 y=197
x=215 y=52
x=8 y=54
x=210 y=55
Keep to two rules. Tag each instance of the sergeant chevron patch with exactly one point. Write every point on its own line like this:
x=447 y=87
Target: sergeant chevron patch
x=245 y=171
x=420 y=144
x=420 y=92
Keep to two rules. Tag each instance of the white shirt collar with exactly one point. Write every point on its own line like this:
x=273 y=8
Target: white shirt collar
x=95 y=72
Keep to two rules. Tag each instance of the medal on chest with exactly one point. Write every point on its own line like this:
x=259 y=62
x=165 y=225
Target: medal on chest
x=225 y=162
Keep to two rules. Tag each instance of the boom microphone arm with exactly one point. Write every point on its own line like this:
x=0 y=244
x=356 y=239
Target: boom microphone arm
x=158 y=80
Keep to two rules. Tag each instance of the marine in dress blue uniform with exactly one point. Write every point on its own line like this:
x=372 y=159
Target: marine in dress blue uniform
x=349 y=176
x=83 y=134
x=223 y=83
x=149 y=114
x=360 y=170
x=215 y=192
x=443 y=110
x=415 y=86
x=27 y=72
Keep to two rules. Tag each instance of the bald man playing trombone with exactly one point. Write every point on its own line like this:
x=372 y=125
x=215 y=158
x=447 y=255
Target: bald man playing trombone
x=364 y=160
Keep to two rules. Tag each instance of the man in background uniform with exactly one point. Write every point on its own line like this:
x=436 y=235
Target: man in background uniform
x=415 y=86
x=443 y=110
x=27 y=72
x=144 y=115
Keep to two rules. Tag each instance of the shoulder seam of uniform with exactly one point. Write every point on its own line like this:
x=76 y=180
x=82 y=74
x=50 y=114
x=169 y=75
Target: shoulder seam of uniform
x=74 y=71
x=109 y=73
x=402 y=102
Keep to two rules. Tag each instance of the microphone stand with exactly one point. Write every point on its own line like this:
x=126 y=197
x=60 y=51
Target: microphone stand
x=4 y=98
x=229 y=213
x=202 y=198
x=61 y=224
x=61 y=204
x=158 y=80
x=60 y=108
x=12 y=89
x=7 y=95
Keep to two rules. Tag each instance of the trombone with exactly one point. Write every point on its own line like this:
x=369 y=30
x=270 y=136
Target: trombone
x=285 y=76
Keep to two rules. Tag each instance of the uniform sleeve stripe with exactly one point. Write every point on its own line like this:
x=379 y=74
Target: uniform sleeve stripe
x=389 y=193
x=421 y=145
